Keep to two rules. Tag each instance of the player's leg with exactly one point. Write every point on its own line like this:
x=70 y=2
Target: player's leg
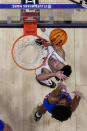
x=39 y=112
x=48 y=83
x=39 y=42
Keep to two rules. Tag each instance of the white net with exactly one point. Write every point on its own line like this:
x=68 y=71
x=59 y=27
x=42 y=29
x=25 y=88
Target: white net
x=28 y=53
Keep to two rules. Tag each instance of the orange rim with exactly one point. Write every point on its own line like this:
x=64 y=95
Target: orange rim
x=45 y=44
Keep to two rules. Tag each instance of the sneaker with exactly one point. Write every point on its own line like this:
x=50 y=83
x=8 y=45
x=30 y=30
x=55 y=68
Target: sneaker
x=50 y=86
x=53 y=84
x=37 y=118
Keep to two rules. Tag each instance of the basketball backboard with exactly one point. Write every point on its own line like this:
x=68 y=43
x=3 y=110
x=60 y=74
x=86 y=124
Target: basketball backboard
x=68 y=15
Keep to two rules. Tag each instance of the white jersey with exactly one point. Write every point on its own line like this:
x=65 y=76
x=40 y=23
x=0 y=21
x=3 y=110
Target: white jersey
x=53 y=53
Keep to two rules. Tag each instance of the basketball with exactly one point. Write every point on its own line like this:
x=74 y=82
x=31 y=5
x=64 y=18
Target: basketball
x=58 y=37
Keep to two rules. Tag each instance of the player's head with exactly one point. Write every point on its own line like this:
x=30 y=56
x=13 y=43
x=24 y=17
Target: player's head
x=67 y=71
x=61 y=113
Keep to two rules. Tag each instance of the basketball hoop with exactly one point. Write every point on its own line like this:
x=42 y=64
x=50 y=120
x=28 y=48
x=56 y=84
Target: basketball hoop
x=26 y=53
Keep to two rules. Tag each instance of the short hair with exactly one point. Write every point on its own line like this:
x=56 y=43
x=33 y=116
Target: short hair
x=61 y=113
x=67 y=71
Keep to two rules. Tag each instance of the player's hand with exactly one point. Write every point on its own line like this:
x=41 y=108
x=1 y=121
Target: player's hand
x=43 y=29
x=61 y=86
x=78 y=94
x=61 y=76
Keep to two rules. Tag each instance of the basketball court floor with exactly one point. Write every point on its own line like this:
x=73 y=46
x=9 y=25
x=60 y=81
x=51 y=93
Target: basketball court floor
x=20 y=93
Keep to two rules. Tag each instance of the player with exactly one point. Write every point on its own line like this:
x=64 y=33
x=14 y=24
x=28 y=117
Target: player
x=59 y=104
x=4 y=126
x=55 y=66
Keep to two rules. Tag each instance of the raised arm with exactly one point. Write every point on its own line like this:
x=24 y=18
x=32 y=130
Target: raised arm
x=45 y=75
x=75 y=101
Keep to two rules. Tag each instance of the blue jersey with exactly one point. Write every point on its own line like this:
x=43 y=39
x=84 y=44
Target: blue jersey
x=49 y=107
x=1 y=125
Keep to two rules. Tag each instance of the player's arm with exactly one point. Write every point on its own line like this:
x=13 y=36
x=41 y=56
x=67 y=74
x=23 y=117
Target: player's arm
x=45 y=75
x=74 y=103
